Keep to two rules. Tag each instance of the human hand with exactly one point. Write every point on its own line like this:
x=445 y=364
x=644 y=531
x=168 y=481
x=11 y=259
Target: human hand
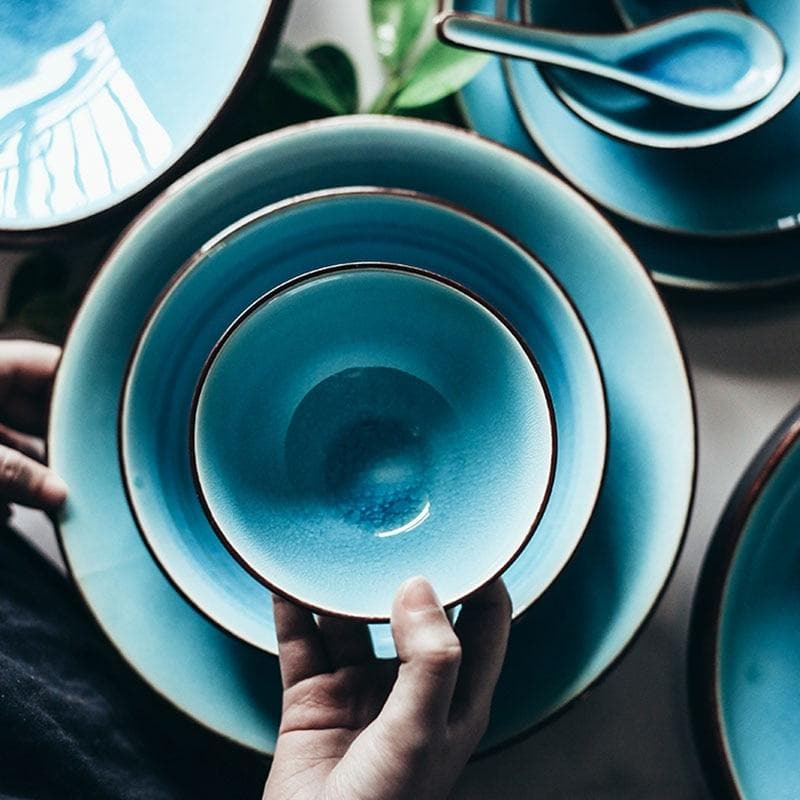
x=358 y=728
x=26 y=377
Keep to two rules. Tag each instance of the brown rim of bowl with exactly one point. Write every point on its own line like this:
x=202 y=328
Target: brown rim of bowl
x=573 y=105
x=547 y=153
x=376 y=121
x=707 y=607
x=309 y=277
x=288 y=204
x=99 y=222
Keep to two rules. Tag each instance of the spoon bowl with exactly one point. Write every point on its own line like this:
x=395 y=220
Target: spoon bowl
x=669 y=59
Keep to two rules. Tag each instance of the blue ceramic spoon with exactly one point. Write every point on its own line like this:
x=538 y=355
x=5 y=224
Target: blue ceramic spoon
x=668 y=59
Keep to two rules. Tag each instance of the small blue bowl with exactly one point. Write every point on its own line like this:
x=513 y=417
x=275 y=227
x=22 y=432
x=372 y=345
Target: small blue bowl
x=365 y=423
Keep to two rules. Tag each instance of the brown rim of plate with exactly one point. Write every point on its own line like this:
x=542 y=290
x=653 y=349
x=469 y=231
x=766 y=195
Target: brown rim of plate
x=99 y=222
x=309 y=277
x=288 y=204
x=198 y=172
x=568 y=179
x=707 y=606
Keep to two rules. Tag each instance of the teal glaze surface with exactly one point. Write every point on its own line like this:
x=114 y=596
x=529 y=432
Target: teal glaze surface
x=316 y=231
x=367 y=425
x=682 y=261
x=758 y=649
x=98 y=98
x=577 y=629
x=741 y=187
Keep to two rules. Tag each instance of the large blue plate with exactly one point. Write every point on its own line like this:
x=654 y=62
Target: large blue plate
x=572 y=635
x=99 y=98
x=745 y=641
x=683 y=261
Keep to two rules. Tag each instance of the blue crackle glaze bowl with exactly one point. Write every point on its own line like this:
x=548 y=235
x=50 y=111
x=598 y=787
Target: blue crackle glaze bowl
x=281 y=242
x=367 y=423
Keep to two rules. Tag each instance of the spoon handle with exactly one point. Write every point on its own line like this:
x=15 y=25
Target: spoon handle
x=560 y=48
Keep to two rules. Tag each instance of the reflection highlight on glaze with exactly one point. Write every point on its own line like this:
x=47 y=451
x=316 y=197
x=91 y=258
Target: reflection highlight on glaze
x=74 y=130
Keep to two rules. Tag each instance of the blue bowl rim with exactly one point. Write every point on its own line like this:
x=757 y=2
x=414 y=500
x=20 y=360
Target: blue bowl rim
x=97 y=224
x=623 y=245
x=349 y=191
x=310 y=277
x=707 y=606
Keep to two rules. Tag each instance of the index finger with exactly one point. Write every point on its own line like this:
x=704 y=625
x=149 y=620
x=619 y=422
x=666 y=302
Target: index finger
x=26 y=376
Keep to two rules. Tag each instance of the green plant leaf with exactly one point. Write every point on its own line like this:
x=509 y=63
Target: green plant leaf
x=324 y=75
x=440 y=71
x=396 y=25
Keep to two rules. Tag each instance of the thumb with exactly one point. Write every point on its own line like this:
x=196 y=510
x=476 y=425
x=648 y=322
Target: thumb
x=25 y=481
x=430 y=654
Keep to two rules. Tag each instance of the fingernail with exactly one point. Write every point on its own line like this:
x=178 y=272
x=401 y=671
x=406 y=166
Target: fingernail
x=54 y=490
x=418 y=595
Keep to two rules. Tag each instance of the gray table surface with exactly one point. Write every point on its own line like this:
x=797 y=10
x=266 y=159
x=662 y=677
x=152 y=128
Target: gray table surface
x=630 y=737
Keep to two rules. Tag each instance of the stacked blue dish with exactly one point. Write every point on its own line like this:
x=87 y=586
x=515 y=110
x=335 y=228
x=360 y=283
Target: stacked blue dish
x=353 y=350
x=707 y=198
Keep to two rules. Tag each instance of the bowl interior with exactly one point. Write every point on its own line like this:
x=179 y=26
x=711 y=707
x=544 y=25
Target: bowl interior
x=328 y=228
x=99 y=97
x=368 y=423
x=758 y=650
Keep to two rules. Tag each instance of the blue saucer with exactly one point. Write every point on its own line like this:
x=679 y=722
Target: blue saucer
x=687 y=262
x=744 y=667
x=325 y=228
x=577 y=629
x=365 y=423
x=99 y=98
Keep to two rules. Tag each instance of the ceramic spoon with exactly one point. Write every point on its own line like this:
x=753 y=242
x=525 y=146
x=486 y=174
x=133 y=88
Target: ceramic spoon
x=713 y=59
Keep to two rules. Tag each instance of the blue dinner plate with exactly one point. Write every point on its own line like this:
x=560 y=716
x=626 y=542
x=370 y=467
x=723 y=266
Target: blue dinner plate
x=99 y=98
x=578 y=628
x=746 y=186
x=317 y=230
x=681 y=261
x=744 y=658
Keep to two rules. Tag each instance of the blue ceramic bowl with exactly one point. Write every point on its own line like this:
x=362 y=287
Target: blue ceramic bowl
x=367 y=423
x=742 y=187
x=99 y=98
x=276 y=245
x=745 y=638
x=681 y=261
x=635 y=116
x=577 y=629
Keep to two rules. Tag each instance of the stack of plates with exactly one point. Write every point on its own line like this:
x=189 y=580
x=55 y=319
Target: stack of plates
x=707 y=203
x=184 y=613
